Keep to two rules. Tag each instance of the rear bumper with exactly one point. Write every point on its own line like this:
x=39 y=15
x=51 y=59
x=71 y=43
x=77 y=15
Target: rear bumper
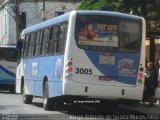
x=102 y=91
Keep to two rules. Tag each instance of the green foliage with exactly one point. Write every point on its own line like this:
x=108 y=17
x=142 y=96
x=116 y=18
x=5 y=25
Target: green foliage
x=86 y=5
x=100 y=5
x=149 y=9
x=137 y=7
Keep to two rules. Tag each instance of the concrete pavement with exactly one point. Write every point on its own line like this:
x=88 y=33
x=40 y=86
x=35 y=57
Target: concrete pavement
x=144 y=109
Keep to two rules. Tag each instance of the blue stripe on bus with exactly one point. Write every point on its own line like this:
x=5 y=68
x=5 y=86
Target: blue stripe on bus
x=113 y=70
x=50 y=67
x=7 y=71
x=7 y=81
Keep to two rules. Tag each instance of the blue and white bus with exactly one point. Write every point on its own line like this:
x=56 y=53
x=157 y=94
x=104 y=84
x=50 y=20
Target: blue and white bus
x=83 y=54
x=8 y=65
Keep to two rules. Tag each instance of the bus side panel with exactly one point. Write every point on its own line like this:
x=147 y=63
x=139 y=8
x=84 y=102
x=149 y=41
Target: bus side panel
x=55 y=87
x=37 y=83
x=29 y=83
x=45 y=70
x=7 y=73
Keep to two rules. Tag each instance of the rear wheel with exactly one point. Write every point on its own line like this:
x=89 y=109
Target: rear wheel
x=47 y=102
x=27 y=99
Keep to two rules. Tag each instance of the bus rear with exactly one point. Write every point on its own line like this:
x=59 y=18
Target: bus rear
x=104 y=56
x=8 y=65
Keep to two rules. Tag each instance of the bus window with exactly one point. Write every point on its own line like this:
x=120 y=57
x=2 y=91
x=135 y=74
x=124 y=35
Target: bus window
x=8 y=54
x=45 y=41
x=108 y=33
x=128 y=35
x=54 y=39
x=31 y=46
x=33 y=43
x=62 y=37
x=37 y=49
x=27 y=42
x=41 y=41
x=2 y=54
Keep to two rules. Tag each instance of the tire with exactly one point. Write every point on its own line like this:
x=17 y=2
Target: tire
x=22 y=84
x=27 y=99
x=47 y=102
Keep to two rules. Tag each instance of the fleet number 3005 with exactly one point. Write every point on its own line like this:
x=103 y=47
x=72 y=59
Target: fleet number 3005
x=83 y=71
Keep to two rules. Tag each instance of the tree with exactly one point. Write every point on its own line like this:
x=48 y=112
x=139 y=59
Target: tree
x=149 y=9
x=100 y=5
x=127 y=6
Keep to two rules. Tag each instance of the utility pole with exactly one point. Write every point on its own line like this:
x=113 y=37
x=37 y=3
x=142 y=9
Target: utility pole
x=43 y=11
x=17 y=20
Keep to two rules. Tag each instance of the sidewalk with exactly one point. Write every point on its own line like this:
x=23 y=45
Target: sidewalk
x=143 y=108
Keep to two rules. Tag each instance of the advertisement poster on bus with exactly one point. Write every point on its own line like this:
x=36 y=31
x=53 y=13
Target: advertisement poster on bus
x=58 y=69
x=126 y=67
x=98 y=34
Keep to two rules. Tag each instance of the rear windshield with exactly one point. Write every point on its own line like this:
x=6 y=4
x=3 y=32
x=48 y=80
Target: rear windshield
x=8 y=54
x=108 y=33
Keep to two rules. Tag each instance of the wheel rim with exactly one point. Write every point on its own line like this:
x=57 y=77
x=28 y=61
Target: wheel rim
x=45 y=101
x=45 y=96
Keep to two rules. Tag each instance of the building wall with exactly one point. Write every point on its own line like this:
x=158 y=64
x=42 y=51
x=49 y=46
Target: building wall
x=32 y=13
x=33 y=16
x=3 y=27
x=11 y=25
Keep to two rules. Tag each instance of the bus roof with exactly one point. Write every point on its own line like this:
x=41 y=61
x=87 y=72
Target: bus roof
x=46 y=23
x=65 y=17
x=108 y=13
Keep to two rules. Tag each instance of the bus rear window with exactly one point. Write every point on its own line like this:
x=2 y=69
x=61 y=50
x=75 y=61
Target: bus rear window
x=8 y=54
x=108 y=33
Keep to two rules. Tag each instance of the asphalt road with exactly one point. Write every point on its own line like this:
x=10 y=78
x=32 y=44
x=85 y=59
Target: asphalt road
x=13 y=104
x=12 y=108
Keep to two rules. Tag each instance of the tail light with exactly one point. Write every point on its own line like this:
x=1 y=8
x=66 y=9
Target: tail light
x=69 y=63
x=141 y=69
x=141 y=74
x=69 y=69
x=69 y=75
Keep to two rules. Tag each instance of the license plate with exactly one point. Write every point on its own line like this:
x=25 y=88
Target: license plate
x=105 y=78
